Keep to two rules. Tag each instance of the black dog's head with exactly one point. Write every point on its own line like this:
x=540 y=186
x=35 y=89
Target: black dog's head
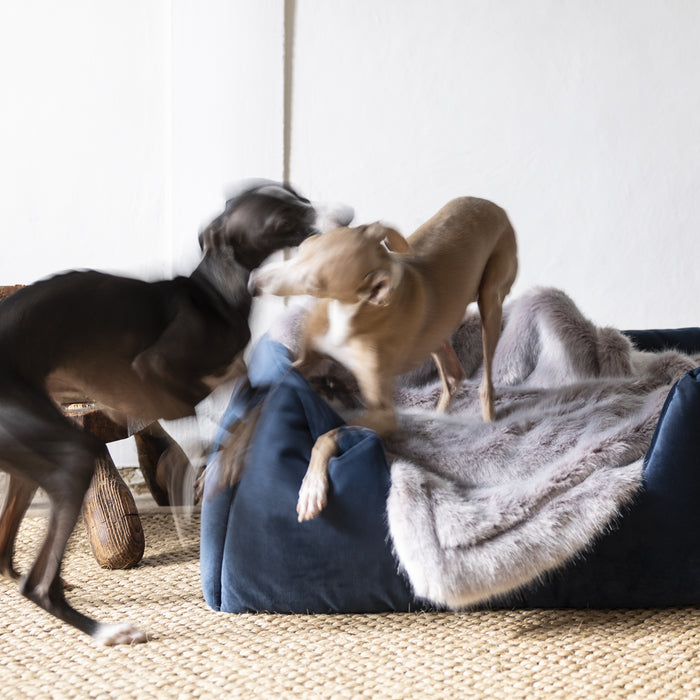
x=266 y=216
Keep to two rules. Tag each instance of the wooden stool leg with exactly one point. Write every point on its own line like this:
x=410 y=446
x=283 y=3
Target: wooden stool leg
x=111 y=519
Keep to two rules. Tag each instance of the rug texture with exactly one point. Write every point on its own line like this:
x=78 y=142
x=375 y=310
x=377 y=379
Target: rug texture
x=197 y=653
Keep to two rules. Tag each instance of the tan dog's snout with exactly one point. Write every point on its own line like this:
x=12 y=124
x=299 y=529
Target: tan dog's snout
x=280 y=279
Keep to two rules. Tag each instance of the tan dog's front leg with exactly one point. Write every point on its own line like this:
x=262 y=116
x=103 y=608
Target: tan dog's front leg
x=314 y=487
x=379 y=417
x=451 y=374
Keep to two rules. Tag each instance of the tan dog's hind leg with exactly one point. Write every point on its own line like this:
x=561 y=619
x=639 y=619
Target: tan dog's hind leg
x=490 y=330
x=451 y=375
x=495 y=285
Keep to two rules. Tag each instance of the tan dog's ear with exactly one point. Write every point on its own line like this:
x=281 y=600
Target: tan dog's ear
x=376 y=288
x=395 y=242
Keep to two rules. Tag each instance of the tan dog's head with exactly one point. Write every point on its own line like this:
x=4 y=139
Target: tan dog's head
x=347 y=264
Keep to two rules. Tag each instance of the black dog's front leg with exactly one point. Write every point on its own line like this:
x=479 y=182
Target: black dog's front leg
x=163 y=464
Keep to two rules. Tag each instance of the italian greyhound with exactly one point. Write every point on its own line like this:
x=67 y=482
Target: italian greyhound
x=383 y=312
x=142 y=350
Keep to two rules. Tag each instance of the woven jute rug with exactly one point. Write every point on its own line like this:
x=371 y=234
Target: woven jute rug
x=197 y=653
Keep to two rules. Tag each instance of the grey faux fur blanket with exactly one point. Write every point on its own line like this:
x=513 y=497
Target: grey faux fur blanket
x=476 y=510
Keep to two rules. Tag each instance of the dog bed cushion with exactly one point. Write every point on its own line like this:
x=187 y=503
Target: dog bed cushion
x=255 y=556
x=364 y=555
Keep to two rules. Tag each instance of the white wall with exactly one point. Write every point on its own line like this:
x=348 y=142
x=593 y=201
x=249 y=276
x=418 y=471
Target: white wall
x=580 y=117
x=122 y=124
x=84 y=137
x=227 y=107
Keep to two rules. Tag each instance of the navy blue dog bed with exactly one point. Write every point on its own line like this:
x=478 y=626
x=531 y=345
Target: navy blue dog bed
x=256 y=557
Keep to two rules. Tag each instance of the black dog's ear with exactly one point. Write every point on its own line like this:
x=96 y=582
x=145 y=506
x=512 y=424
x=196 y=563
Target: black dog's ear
x=212 y=238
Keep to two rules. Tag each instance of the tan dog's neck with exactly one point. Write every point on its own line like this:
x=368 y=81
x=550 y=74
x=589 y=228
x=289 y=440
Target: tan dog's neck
x=345 y=331
x=330 y=333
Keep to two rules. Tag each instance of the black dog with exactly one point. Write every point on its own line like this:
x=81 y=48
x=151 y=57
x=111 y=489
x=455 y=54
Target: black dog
x=143 y=350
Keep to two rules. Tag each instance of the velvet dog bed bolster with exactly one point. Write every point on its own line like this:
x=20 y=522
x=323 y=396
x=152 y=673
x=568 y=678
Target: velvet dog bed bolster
x=255 y=556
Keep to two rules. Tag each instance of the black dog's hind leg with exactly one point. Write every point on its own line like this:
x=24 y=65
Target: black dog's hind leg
x=17 y=499
x=43 y=585
x=40 y=445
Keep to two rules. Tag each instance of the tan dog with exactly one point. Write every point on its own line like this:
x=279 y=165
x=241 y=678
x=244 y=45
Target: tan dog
x=384 y=313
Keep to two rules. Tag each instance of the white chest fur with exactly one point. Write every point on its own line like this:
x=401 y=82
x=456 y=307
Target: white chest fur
x=334 y=342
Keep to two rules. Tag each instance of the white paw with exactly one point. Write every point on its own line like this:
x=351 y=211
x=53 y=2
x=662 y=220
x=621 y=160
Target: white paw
x=124 y=633
x=312 y=496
